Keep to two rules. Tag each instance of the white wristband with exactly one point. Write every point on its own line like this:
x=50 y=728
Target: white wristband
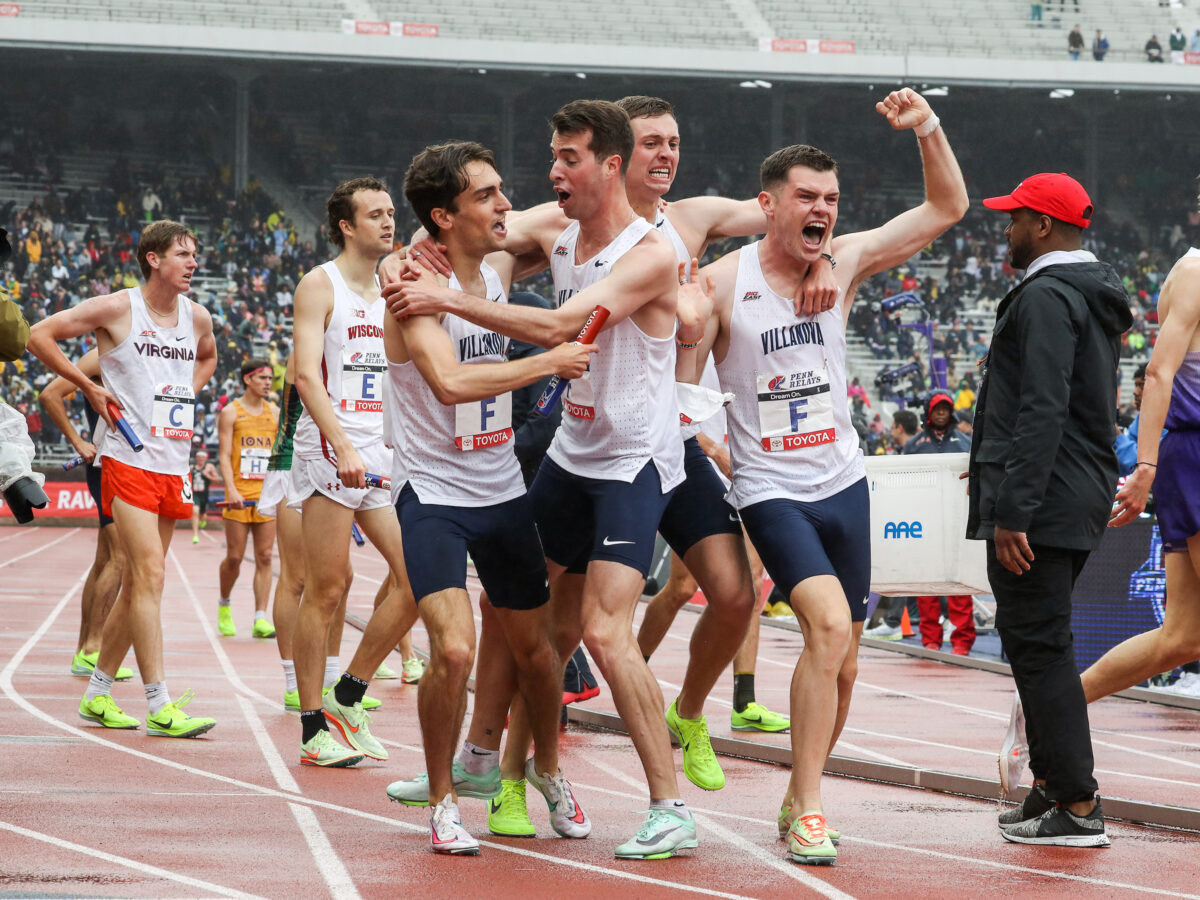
x=929 y=126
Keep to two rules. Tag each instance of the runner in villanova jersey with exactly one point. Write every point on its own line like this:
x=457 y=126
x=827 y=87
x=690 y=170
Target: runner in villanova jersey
x=798 y=476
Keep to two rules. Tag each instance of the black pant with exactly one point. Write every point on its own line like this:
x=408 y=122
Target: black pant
x=1033 y=616
x=895 y=611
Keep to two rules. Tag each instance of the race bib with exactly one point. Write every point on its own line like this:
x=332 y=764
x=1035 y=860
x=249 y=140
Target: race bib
x=252 y=465
x=580 y=400
x=795 y=410
x=174 y=412
x=483 y=423
x=362 y=381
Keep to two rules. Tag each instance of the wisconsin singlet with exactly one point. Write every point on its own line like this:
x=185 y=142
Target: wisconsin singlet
x=790 y=434
x=458 y=455
x=150 y=373
x=353 y=369
x=622 y=413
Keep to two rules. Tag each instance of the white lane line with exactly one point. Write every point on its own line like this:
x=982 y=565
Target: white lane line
x=9 y=562
x=789 y=869
x=125 y=861
x=337 y=878
x=341 y=886
x=882 y=757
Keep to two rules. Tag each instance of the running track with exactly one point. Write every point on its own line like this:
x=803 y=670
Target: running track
x=90 y=812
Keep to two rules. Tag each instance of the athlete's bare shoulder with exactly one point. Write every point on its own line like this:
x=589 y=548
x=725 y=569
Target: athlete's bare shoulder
x=201 y=317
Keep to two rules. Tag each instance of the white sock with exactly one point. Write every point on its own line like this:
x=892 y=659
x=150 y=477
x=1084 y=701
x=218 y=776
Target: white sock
x=157 y=696
x=676 y=806
x=476 y=760
x=99 y=684
x=260 y=614
x=289 y=675
x=224 y=601
x=333 y=670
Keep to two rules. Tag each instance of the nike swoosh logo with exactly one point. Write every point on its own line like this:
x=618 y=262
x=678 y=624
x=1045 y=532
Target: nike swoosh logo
x=181 y=338
x=733 y=518
x=751 y=718
x=658 y=837
x=475 y=752
x=495 y=806
x=599 y=263
x=612 y=543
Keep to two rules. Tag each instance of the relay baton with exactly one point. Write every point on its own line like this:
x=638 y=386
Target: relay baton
x=72 y=463
x=591 y=328
x=378 y=481
x=226 y=504
x=124 y=427
x=356 y=534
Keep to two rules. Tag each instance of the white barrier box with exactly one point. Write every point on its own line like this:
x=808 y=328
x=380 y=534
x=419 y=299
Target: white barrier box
x=918 y=523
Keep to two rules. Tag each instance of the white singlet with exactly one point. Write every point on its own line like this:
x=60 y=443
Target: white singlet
x=667 y=230
x=790 y=434
x=353 y=370
x=458 y=455
x=622 y=413
x=151 y=373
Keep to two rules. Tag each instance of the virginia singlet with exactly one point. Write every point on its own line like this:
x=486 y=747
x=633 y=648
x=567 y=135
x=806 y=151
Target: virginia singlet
x=151 y=373
x=622 y=413
x=790 y=434
x=353 y=369
x=460 y=454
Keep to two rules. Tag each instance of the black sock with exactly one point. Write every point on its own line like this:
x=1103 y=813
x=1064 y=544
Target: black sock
x=311 y=721
x=743 y=690
x=349 y=690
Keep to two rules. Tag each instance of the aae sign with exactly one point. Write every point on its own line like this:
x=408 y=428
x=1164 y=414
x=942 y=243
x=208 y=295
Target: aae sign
x=902 y=530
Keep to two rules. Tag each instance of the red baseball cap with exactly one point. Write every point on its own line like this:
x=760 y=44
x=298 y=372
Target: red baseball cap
x=1057 y=195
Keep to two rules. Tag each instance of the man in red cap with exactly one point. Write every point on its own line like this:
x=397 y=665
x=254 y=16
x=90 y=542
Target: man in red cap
x=1042 y=476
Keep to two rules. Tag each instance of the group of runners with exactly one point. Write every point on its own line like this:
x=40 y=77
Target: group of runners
x=396 y=415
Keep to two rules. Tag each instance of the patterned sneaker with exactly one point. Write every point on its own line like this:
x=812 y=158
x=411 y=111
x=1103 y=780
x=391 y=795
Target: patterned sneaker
x=756 y=717
x=355 y=726
x=787 y=817
x=322 y=750
x=172 y=721
x=225 y=621
x=809 y=842
x=446 y=834
x=662 y=834
x=507 y=814
x=1014 y=752
x=1034 y=806
x=263 y=629
x=566 y=815
x=103 y=709
x=413 y=670
x=384 y=673
x=699 y=761
x=85 y=664
x=291 y=700
x=1059 y=827
x=415 y=791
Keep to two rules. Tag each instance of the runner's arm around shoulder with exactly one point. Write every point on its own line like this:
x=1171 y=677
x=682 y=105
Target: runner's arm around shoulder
x=647 y=275
x=867 y=252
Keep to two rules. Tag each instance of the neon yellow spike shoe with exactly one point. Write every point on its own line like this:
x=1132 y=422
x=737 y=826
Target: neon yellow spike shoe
x=263 y=629
x=225 y=621
x=413 y=670
x=786 y=817
x=291 y=700
x=384 y=673
x=756 y=717
x=507 y=814
x=103 y=709
x=323 y=750
x=85 y=663
x=808 y=840
x=172 y=721
x=699 y=761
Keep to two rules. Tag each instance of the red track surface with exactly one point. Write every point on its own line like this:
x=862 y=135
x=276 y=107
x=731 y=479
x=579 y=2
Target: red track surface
x=86 y=811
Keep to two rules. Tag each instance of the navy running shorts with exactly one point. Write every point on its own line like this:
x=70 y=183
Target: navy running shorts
x=582 y=519
x=93 y=476
x=697 y=509
x=797 y=540
x=1177 y=489
x=501 y=539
